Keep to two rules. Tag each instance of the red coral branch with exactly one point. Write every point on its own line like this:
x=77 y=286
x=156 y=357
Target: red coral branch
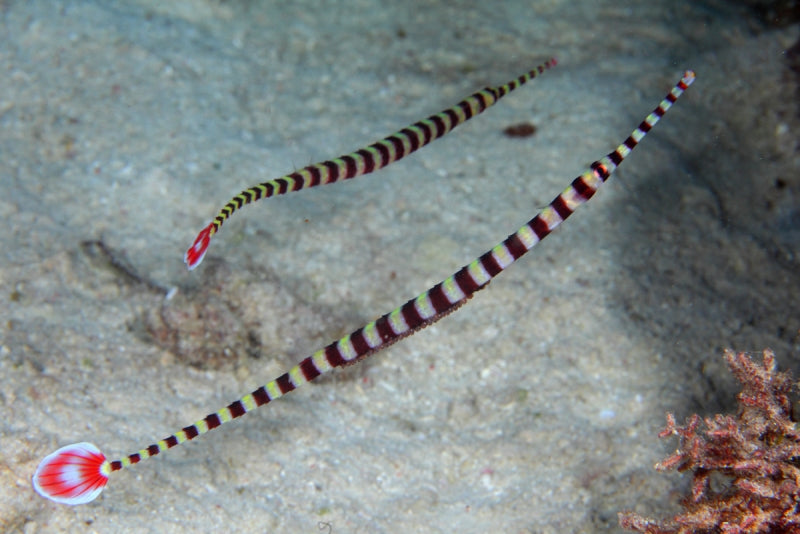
x=756 y=452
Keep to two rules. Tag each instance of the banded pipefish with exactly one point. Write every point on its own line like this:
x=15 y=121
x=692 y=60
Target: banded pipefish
x=364 y=160
x=78 y=473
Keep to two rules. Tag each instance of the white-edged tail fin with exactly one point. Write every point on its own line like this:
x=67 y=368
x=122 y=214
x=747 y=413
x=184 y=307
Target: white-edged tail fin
x=75 y=474
x=195 y=254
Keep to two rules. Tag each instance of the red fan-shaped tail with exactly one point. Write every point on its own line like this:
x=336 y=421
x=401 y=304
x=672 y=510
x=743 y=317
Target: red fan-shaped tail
x=195 y=254
x=75 y=474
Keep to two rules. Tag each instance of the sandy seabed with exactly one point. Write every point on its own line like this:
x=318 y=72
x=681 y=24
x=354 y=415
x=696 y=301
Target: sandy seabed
x=125 y=126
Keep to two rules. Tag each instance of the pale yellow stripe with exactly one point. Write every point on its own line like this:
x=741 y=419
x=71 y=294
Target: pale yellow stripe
x=452 y=291
x=376 y=156
x=298 y=379
x=224 y=415
x=249 y=402
x=397 y=322
x=591 y=179
x=324 y=174
x=550 y=217
x=372 y=336
x=406 y=142
x=321 y=361
x=342 y=167
x=306 y=175
x=609 y=165
x=359 y=159
x=424 y=307
x=478 y=273
x=572 y=199
x=527 y=236
x=501 y=256
x=346 y=348
x=390 y=147
x=652 y=119
x=273 y=390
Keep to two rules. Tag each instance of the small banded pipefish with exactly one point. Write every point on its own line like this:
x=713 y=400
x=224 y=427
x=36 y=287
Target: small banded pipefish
x=364 y=160
x=77 y=473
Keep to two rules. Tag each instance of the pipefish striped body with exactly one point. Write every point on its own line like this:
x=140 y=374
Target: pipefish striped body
x=78 y=473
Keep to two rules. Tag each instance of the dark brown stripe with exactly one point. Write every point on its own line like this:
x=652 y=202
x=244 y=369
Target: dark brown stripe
x=284 y=383
x=482 y=97
x=399 y=149
x=333 y=175
x=369 y=160
x=452 y=116
x=171 y=441
x=116 y=465
x=580 y=187
x=383 y=150
x=333 y=355
x=616 y=157
x=135 y=458
x=413 y=138
x=411 y=315
x=427 y=133
x=465 y=282
x=438 y=121
x=152 y=450
x=489 y=263
x=384 y=329
x=248 y=195
x=466 y=108
x=270 y=189
x=561 y=207
x=630 y=142
x=257 y=191
x=351 y=167
x=261 y=396
x=237 y=409
x=539 y=227
x=515 y=246
x=212 y=421
x=438 y=299
x=359 y=342
x=316 y=175
x=309 y=369
x=671 y=98
x=298 y=182
x=283 y=186
x=601 y=170
x=190 y=431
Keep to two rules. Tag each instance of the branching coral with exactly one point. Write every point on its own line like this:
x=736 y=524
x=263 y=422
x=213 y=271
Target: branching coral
x=756 y=455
